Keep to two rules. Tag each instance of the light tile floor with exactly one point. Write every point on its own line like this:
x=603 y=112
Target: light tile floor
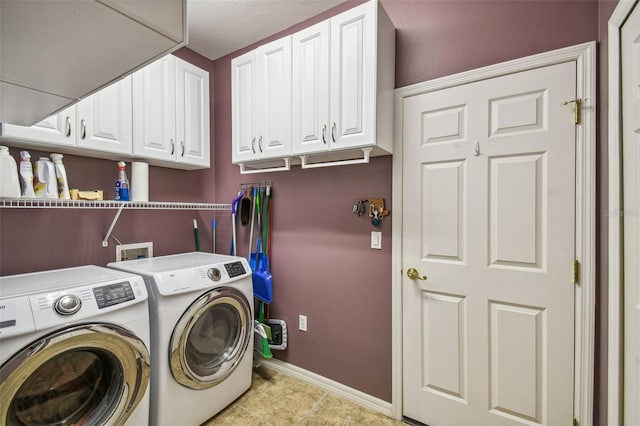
x=276 y=399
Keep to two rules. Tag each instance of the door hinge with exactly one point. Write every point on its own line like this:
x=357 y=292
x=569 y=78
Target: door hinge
x=577 y=106
x=574 y=422
x=576 y=272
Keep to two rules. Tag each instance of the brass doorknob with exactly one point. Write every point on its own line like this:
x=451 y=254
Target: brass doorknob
x=413 y=274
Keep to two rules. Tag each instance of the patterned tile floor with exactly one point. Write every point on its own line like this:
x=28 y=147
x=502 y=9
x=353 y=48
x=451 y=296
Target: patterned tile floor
x=276 y=399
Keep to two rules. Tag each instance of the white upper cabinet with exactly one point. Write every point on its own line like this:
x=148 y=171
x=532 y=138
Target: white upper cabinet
x=160 y=114
x=101 y=124
x=310 y=75
x=261 y=103
x=154 y=110
x=343 y=81
x=171 y=114
x=329 y=101
x=104 y=120
x=192 y=115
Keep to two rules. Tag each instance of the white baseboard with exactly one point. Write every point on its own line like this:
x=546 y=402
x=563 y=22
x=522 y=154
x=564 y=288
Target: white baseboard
x=353 y=395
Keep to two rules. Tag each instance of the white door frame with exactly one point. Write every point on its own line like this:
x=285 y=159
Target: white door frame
x=620 y=14
x=584 y=55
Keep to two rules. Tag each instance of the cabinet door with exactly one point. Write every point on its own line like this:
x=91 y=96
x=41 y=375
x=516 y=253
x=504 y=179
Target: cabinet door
x=192 y=114
x=310 y=92
x=154 y=110
x=244 y=97
x=105 y=119
x=55 y=130
x=274 y=103
x=353 y=68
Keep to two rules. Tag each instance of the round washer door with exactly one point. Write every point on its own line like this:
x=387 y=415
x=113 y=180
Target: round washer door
x=87 y=374
x=210 y=338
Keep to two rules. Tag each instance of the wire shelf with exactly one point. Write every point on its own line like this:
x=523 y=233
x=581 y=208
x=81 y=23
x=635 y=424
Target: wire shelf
x=20 y=203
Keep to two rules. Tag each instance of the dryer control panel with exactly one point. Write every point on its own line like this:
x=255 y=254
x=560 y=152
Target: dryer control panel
x=234 y=269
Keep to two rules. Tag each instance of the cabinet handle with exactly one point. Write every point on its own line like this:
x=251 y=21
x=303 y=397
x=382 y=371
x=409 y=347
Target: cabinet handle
x=68 y=130
x=324 y=130
x=182 y=145
x=260 y=143
x=333 y=131
x=253 y=145
x=173 y=147
x=83 y=129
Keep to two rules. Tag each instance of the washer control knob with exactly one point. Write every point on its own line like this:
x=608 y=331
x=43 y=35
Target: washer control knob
x=214 y=274
x=68 y=304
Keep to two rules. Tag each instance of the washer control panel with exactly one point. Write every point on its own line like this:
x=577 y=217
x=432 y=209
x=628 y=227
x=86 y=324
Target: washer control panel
x=113 y=294
x=234 y=269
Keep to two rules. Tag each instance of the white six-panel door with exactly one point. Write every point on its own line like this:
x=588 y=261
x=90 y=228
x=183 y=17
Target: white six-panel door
x=489 y=222
x=630 y=49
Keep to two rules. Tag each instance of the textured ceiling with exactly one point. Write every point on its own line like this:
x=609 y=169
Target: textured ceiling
x=219 y=27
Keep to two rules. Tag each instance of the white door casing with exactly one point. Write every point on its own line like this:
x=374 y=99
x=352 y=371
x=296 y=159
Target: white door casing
x=617 y=213
x=630 y=49
x=489 y=219
x=584 y=57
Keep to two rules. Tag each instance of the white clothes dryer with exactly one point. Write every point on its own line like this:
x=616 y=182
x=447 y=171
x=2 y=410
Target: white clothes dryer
x=201 y=313
x=74 y=348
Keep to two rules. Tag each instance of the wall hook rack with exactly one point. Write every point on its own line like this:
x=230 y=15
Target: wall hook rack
x=373 y=206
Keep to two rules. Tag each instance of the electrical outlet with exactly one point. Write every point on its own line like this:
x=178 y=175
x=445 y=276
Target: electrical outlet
x=134 y=251
x=302 y=323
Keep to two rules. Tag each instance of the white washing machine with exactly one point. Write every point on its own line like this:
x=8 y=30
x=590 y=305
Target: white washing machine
x=201 y=313
x=74 y=348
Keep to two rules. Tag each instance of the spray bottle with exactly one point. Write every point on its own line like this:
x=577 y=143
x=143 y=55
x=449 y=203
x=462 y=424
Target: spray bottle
x=122 y=184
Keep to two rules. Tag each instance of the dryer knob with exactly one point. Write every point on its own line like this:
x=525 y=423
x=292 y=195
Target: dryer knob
x=68 y=304
x=214 y=274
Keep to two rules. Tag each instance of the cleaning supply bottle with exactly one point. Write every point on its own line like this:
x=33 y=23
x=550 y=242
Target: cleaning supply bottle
x=9 y=185
x=44 y=179
x=26 y=175
x=122 y=184
x=61 y=177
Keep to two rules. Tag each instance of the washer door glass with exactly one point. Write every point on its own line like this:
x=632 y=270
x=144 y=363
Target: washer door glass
x=84 y=375
x=210 y=338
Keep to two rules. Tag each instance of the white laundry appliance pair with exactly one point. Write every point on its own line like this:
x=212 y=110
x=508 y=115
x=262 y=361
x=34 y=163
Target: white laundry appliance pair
x=74 y=348
x=201 y=317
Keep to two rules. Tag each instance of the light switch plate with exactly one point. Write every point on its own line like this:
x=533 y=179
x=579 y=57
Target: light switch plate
x=376 y=240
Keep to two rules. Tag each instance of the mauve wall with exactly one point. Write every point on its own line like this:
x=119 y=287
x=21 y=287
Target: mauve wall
x=35 y=240
x=322 y=265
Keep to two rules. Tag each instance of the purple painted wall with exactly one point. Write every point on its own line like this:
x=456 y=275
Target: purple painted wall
x=321 y=262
